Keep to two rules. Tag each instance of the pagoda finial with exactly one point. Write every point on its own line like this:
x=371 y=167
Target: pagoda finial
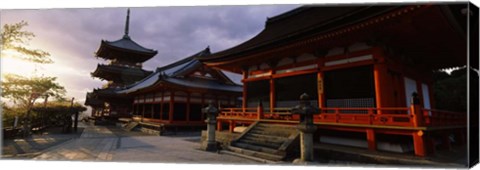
x=127 y=23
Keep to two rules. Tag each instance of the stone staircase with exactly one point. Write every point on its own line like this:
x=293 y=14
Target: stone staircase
x=272 y=142
x=130 y=125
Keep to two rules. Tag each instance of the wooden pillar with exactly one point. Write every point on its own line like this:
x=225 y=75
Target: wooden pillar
x=416 y=111
x=382 y=95
x=161 y=105
x=219 y=125
x=188 y=107
x=321 y=96
x=260 y=111
x=170 y=113
x=419 y=143
x=372 y=141
x=244 y=94
x=231 y=126
x=420 y=92
x=272 y=94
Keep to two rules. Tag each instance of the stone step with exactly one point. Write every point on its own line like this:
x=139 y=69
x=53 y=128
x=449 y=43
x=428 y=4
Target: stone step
x=131 y=125
x=267 y=136
x=275 y=125
x=262 y=142
x=268 y=156
x=257 y=148
x=259 y=142
x=271 y=132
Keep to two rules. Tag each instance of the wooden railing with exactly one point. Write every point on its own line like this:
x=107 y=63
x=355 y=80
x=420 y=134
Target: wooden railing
x=443 y=118
x=244 y=113
x=392 y=116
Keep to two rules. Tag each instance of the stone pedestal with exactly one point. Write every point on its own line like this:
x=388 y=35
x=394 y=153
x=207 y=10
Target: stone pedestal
x=210 y=144
x=306 y=128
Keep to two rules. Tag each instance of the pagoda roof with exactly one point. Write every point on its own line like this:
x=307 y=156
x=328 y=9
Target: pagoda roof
x=92 y=100
x=174 y=74
x=325 y=27
x=118 y=73
x=125 y=48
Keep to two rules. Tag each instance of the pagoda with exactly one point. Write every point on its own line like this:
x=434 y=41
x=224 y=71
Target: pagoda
x=125 y=58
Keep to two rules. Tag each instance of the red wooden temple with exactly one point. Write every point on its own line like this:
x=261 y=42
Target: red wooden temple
x=175 y=94
x=125 y=58
x=360 y=65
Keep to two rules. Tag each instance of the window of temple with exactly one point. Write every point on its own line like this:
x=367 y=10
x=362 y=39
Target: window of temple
x=289 y=89
x=258 y=91
x=351 y=87
x=179 y=111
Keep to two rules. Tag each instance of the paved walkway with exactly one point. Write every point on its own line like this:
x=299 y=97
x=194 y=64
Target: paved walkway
x=99 y=143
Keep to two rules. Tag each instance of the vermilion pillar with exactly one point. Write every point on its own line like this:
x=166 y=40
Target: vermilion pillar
x=380 y=73
x=321 y=96
x=372 y=142
x=419 y=143
x=244 y=94
x=272 y=94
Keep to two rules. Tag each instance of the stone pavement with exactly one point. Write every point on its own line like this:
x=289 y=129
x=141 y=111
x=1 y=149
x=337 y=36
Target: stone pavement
x=99 y=143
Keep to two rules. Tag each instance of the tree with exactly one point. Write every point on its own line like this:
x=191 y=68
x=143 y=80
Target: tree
x=450 y=90
x=16 y=39
x=24 y=91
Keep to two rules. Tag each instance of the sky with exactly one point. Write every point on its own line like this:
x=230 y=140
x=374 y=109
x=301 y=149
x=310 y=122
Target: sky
x=72 y=36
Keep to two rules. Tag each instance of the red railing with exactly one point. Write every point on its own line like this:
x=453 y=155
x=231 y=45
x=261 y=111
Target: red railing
x=443 y=118
x=393 y=116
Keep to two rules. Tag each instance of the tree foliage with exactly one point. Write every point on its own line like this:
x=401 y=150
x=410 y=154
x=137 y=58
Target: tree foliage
x=20 y=89
x=13 y=37
x=450 y=90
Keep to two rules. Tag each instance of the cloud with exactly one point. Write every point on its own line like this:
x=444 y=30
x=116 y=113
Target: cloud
x=73 y=35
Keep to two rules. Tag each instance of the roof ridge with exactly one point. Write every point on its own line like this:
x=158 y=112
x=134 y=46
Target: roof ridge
x=187 y=59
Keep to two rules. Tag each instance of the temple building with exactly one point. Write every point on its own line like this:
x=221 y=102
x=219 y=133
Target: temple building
x=360 y=65
x=125 y=58
x=174 y=95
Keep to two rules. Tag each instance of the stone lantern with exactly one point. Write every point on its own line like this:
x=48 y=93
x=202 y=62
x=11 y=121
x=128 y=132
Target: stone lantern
x=306 y=128
x=211 y=112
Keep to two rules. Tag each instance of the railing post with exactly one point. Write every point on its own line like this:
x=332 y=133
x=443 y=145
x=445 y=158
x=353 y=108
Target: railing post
x=306 y=128
x=260 y=110
x=416 y=111
x=210 y=144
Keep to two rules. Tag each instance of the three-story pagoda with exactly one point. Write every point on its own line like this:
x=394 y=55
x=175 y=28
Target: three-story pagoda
x=125 y=58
